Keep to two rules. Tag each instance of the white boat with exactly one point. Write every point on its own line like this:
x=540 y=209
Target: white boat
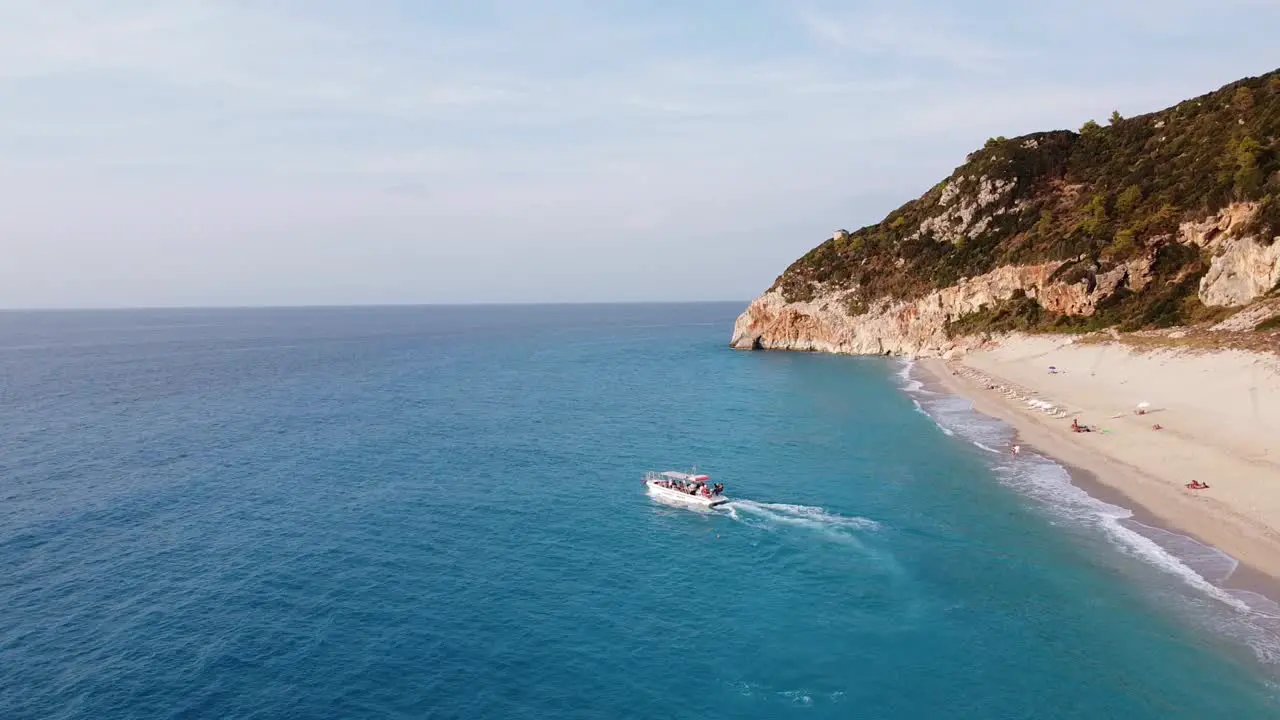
x=685 y=488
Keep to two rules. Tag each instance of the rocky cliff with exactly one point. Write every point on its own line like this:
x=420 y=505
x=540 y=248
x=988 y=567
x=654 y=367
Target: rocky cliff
x=1165 y=219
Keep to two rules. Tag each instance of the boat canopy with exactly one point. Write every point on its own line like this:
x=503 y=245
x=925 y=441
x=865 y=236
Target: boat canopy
x=673 y=475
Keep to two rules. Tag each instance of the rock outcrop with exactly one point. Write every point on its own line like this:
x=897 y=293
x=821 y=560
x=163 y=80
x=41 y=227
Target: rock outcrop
x=1244 y=267
x=917 y=327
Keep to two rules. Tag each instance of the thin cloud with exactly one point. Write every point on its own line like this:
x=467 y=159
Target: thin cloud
x=898 y=35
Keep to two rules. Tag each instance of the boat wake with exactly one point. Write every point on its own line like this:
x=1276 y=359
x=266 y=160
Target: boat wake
x=807 y=516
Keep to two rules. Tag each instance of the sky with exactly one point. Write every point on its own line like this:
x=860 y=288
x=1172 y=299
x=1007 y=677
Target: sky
x=301 y=152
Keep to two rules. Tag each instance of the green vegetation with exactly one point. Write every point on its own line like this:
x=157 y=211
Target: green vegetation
x=1093 y=200
x=1129 y=200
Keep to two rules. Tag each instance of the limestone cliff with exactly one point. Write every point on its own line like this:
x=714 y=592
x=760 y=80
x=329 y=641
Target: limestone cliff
x=1165 y=219
x=915 y=327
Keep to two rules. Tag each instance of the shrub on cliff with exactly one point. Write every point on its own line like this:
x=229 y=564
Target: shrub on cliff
x=1102 y=197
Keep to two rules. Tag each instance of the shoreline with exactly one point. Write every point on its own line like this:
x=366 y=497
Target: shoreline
x=1156 y=502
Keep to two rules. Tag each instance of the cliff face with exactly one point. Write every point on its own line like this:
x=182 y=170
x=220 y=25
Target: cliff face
x=1241 y=270
x=917 y=327
x=1154 y=221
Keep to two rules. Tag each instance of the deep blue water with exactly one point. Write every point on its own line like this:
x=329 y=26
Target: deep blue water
x=437 y=513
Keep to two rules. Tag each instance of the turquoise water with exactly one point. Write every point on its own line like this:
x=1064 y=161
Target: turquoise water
x=437 y=512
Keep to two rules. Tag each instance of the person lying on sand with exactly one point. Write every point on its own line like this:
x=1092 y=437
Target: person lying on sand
x=1197 y=485
x=1077 y=427
x=1157 y=426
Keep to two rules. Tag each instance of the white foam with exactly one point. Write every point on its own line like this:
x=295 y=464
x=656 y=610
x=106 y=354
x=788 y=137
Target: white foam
x=1213 y=564
x=1137 y=544
x=804 y=515
x=909 y=383
x=920 y=409
x=799 y=697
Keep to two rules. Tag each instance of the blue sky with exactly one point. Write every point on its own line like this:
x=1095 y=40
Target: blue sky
x=237 y=152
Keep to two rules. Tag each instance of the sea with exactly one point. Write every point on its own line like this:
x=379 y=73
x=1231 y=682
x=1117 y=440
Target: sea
x=437 y=512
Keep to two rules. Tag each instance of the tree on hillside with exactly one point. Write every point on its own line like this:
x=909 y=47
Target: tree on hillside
x=1242 y=101
x=1248 y=178
x=1128 y=199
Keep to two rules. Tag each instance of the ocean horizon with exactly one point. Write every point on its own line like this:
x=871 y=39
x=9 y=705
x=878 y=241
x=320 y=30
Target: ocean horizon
x=437 y=511
x=362 y=306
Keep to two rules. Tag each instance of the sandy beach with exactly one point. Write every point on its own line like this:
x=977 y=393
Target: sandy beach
x=1219 y=423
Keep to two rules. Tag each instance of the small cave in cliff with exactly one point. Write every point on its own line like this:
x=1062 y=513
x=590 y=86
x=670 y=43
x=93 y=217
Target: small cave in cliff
x=756 y=344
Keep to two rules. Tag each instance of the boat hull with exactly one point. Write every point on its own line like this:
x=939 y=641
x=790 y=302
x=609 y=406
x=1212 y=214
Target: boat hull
x=675 y=496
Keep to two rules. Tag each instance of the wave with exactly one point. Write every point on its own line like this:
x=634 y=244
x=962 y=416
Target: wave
x=909 y=382
x=1198 y=568
x=920 y=409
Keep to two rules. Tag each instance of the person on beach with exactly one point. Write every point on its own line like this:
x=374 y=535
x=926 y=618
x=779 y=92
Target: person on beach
x=1016 y=449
